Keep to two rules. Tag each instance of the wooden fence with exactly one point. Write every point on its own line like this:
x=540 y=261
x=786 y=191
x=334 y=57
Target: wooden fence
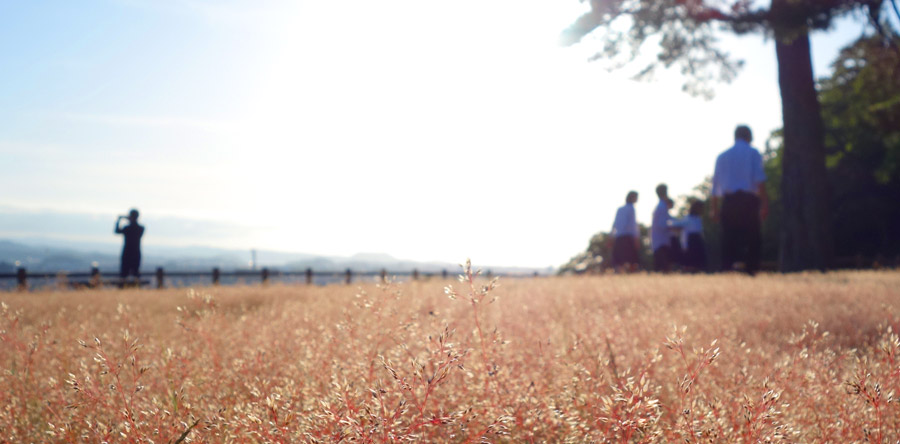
x=95 y=278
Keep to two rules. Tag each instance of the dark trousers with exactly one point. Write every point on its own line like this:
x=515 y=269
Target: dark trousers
x=624 y=251
x=662 y=259
x=676 y=253
x=695 y=255
x=741 y=231
x=131 y=265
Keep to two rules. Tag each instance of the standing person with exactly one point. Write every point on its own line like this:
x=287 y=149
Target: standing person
x=739 y=185
x=676 y=255
x=659 y=232
x=693 y=246
x=131 y=251
x=626 y=236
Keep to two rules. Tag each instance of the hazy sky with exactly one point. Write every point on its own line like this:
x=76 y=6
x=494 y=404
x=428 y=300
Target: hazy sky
x=423 y=129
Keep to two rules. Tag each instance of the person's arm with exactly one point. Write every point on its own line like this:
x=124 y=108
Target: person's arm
x=677 y=223
x=659 y=219
x=118 y=229
x=611 y=239
x=763 y=202
x=636 y=229
x=612 y=230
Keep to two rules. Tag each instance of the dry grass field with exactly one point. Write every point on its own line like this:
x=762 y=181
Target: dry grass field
x=806 y=358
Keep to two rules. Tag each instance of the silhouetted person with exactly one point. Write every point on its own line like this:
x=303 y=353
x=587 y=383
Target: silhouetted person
x=131 y=251
x=626 y=236
x=660 y=232
x=693 y=257
x=739 y=183
x=676 y=251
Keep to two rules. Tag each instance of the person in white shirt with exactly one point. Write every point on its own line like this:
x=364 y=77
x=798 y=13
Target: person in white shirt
x=659 y=231
x=739 y=185
x=693 y=246
x=626 y=236
x=676 y=252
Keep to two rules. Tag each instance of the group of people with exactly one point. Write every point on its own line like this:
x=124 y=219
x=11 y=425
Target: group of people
x=738 y=202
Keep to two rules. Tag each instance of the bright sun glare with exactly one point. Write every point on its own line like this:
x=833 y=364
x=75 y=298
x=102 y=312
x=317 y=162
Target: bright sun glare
x=423 y=129
x=389 y=103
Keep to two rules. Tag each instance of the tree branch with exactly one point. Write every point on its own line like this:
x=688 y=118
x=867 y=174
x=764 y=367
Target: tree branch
x=875 y=19
x=582 y=27
x=742 y=19
x=896 y=9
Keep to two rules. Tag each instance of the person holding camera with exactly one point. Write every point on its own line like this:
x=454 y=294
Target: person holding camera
x=131 y=251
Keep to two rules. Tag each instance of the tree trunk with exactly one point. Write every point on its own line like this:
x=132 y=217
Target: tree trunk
x=806 y=241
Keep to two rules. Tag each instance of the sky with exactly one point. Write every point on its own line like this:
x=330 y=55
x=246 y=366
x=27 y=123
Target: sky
x=422 y=129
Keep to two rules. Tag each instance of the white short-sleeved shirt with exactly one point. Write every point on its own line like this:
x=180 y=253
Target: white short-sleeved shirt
x=659 y=231
x=689 y=225
x=626 y=222
x=739 y=168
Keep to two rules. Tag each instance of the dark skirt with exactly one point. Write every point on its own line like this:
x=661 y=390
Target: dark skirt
x=695 y=255
x=624 y=251
x=662 y=259
x=676 y=253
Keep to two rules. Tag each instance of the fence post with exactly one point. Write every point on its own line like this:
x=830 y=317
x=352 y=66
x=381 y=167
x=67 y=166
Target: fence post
x=215 y=276
x=160 y=277
x=349 y=276
x=415 y=274
x=309 y=276
x=21 y=279
x=95 y=277
x=383 y=275
x=264 y=275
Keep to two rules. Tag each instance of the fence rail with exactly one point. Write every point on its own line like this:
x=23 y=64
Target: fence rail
x=96 y=278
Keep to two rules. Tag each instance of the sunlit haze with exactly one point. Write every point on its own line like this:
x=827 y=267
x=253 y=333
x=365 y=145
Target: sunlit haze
x=422 y=129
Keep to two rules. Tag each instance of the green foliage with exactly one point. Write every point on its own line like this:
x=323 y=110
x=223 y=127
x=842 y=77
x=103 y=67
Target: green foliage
x=683 y=34
x=861 y=107
x=861 y=110
x=771 y=227
x=598 y=255
x=861 y=113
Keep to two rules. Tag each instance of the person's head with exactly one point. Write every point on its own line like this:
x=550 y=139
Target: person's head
x=742 y=132
x=631 y=197
x=133 y=215
x=697 y=208
x=662 y=191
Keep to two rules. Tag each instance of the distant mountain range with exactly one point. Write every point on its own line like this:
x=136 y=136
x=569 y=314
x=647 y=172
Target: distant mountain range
x=50 y=255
